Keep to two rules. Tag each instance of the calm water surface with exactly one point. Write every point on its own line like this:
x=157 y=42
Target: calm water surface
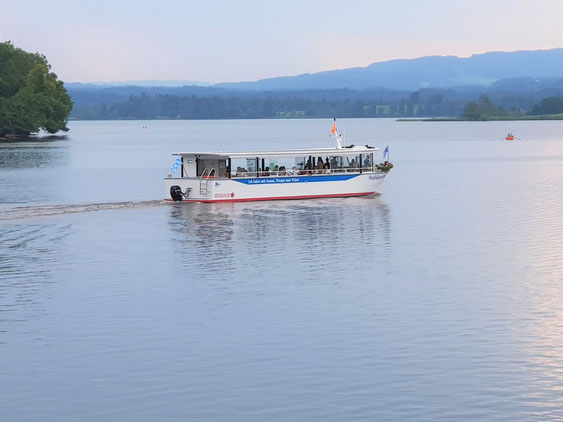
x=441 y=299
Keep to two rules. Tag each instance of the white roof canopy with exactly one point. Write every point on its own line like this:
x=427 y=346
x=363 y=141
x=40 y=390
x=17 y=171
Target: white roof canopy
x=287 y=153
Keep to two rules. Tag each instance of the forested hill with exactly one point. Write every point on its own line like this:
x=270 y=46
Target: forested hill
x=424 y=72
x=428 y=86
x=195 y=102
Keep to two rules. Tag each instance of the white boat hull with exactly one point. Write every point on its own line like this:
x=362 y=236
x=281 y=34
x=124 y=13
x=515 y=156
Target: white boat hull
x=276 y=188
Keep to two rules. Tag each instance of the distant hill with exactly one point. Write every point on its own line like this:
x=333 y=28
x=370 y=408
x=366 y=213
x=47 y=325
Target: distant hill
x=425 y=72
x=144 y=83
x=424 y=87
x=92 y=93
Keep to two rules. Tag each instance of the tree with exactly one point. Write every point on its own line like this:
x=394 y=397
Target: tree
x=549 y=105
x=31 y=96
x=481 y=110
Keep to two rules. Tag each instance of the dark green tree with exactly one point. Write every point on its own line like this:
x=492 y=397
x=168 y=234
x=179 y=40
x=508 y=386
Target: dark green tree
x=31 y=96
x=549 y=105
x=480 y=110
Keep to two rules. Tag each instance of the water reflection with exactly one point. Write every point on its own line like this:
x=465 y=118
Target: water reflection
x=44 y=153
x=314 y=236
x=27 y=256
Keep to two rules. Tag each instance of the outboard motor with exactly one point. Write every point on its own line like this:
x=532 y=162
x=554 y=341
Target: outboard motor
x=176 y=193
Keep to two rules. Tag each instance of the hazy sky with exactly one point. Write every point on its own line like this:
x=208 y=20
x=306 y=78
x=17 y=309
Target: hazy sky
x=222 y=40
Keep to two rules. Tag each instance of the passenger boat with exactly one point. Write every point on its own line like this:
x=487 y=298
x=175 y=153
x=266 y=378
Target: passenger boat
x=341 y=171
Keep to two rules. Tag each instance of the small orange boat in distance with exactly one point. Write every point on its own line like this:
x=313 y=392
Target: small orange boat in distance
x=510 y=137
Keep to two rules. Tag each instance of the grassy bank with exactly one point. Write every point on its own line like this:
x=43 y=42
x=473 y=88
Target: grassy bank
x=489 y=118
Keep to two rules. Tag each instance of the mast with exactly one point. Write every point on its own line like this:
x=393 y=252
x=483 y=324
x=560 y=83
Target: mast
x=337 y=135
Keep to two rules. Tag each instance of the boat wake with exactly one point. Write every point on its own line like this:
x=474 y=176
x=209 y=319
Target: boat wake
x=52 y=210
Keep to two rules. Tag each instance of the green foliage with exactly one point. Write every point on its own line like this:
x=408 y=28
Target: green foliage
x=549 y=105
x=481 y=110
x=213 y=103
x=31 y=97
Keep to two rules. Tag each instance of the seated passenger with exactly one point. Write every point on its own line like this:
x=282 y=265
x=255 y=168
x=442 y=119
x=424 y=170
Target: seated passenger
x=353 y=163
x=326 y=169
x=265 y=172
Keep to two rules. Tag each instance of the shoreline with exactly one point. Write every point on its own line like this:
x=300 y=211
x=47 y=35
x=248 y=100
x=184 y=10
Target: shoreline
x=488 y=119
x=31 y=137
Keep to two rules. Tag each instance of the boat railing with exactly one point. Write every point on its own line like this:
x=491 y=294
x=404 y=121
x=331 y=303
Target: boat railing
x=206 y=173
x=303 y=172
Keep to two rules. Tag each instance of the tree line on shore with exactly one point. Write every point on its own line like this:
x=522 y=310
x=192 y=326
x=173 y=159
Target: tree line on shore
x=280 y=105
x=262 y=106
x=484 y=109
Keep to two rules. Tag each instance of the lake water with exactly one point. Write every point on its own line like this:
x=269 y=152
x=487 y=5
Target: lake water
x=441 y=299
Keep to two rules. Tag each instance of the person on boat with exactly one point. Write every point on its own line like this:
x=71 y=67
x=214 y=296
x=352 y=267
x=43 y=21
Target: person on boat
x=353 y=163
x=294 y=171
x=320 y=165
x=326 y=168
x=367 y=162
x=265 y=172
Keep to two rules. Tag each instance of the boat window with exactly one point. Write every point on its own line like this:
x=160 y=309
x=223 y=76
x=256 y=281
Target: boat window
x=300 y=163
x=352 y=161
x=238 y=167
x=251 y=164
x=336 y=162
x=368 y=160
x=306 y=165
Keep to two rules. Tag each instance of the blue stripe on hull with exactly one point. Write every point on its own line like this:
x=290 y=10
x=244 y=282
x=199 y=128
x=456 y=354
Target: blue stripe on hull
x=296 y=179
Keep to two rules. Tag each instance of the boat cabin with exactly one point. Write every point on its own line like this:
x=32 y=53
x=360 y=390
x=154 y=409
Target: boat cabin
x=257 y=164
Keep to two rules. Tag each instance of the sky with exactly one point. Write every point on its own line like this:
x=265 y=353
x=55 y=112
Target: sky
x=230 y=40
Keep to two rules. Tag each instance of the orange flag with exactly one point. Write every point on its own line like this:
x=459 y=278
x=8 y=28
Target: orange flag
x=334 y=127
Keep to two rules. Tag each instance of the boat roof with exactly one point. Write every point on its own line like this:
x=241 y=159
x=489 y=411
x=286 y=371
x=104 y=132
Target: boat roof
x=354 y=149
